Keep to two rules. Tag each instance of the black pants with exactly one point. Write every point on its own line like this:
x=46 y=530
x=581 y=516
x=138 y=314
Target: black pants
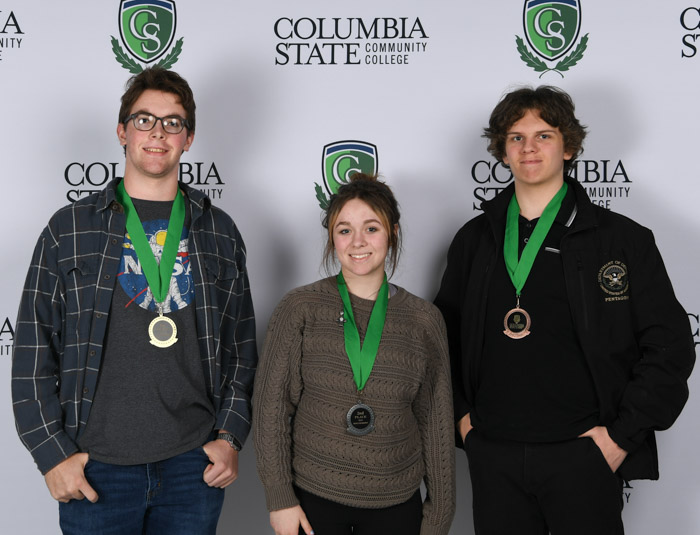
x=331 y=518
x=566 y=488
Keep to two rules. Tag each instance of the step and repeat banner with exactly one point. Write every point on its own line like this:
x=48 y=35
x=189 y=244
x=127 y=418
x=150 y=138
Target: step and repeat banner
x=292 y=95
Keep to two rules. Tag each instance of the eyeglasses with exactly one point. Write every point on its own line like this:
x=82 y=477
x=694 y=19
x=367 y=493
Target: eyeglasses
x=173 y=124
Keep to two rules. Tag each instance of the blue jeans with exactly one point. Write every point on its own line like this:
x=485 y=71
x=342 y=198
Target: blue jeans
x=167 y=497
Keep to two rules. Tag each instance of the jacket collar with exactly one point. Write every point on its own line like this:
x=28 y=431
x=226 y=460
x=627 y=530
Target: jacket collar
x=495 y=209
x=586 y=216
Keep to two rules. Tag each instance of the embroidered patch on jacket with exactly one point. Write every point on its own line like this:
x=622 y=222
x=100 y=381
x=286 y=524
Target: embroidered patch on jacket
x=613 y=280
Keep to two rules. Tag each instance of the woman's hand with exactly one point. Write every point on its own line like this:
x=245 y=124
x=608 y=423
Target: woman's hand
x=287 y=521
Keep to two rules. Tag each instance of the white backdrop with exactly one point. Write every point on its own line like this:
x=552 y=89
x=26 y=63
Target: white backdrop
x=264 y=118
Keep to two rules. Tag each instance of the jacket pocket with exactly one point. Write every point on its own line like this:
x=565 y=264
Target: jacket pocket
x=79 y=278
x=80 y=272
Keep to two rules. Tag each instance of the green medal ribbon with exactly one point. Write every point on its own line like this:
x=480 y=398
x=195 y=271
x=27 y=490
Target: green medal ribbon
x=362 y=358
x=158 y=277
x=519 y=270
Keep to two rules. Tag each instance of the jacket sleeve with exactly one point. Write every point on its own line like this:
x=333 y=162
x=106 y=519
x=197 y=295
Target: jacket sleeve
x=433 y=409
x=277 y=391
x=37 y=352
x=449 y=300
x=235 y=412
x=658 y=385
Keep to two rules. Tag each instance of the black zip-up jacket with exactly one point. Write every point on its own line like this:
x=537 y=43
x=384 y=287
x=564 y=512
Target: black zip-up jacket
x=635 y=335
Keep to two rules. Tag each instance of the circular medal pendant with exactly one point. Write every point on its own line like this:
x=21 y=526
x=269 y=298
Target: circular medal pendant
x=163 y=332
x=516 y=323
x=360 y=419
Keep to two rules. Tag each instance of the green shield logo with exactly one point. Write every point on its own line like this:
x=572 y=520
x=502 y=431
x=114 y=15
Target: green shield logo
x=147 y=27
x=552 y=28
x=343 y=159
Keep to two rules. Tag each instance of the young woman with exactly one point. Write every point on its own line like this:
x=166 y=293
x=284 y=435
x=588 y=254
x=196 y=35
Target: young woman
x=352 y=403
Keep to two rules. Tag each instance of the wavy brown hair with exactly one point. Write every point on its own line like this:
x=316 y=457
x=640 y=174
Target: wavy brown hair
x=159 y=79
x=555 y=107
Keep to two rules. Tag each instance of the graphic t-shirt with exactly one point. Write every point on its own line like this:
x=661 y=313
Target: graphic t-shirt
x=133 y=281
x=151 y=402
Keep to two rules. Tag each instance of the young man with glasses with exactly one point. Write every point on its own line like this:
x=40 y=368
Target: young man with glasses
x=568 y=346
x=135 y=342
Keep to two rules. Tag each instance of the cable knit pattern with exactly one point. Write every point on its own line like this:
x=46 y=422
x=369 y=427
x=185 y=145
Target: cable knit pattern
x=304 y=388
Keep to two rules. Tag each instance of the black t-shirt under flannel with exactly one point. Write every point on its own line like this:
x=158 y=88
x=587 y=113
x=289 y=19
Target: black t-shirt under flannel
x=537 y=388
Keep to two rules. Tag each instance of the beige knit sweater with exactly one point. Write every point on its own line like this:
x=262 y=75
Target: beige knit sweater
x=304 y=388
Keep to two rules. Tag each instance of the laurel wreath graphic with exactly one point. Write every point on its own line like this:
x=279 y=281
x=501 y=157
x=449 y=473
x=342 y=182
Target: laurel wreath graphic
x=540 y=66
x=133 y=67
x=169 y=60
x=323 y=201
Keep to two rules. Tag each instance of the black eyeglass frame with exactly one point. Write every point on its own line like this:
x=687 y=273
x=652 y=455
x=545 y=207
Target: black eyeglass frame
x=133 y=117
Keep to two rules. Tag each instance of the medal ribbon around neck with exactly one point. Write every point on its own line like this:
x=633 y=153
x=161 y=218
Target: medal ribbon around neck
x=519 y=270
x=158 y=277
x=362 y=358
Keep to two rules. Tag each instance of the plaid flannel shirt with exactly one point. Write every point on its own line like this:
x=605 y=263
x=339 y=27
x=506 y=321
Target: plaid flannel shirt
x=64 y=312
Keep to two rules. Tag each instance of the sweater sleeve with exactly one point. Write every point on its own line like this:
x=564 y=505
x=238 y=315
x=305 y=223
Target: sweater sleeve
x=433 y=409
x=276 y=393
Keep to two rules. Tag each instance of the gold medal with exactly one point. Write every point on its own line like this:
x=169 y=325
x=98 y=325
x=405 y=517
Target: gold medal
x=163 y=331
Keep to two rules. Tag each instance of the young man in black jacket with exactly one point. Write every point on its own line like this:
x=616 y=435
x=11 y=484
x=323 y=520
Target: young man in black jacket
x=568 y=346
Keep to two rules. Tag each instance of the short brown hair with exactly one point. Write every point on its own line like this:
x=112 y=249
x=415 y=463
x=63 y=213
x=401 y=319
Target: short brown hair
x=555 y=107
x=159 y=79
x=379 y=197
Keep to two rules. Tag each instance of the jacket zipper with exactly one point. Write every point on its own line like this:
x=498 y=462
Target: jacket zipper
x=581 y=280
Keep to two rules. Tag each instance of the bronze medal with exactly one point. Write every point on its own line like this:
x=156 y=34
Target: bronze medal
x=516 y=323
x=360 y=419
